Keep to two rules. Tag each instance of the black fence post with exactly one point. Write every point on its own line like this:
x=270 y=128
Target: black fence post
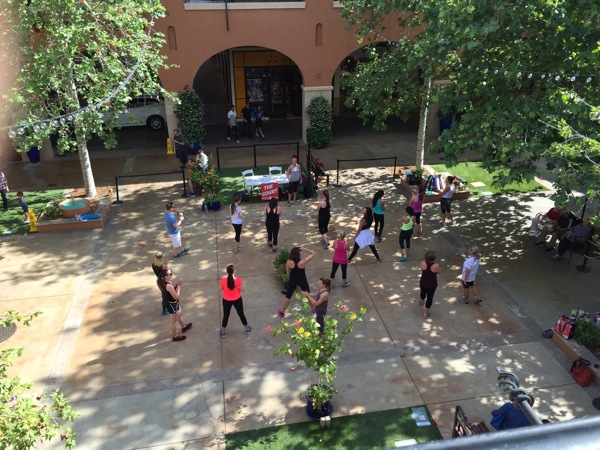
x=184 y=183
x=337 y=175
x=394 y=174
x=254 y=147
x=117 y=201
x=218 y=160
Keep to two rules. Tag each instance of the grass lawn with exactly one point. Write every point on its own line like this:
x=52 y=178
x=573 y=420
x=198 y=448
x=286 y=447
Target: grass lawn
x=11 y=221
x=358 y=432
x=473 y=172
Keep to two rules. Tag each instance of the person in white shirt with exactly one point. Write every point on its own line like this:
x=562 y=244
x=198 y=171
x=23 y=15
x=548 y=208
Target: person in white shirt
x=232 y=124
x=469 y=273
x=202 y=159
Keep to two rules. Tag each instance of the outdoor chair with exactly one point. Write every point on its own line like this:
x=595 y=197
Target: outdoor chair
x=247 y=173
x=275 y=170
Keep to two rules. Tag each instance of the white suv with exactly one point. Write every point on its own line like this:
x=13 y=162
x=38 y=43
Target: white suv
x=144 y=110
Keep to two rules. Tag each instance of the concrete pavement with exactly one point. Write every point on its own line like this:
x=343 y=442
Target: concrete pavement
x=103 y=340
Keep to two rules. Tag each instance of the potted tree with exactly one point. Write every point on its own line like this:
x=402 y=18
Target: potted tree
x=320 y=114
x=308 y=347
x=190 y=117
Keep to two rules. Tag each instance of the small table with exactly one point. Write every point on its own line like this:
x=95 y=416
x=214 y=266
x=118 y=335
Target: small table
x=257 y=180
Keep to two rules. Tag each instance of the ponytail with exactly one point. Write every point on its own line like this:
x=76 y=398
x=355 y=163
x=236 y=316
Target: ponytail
x=236 y=199
x=230 y=280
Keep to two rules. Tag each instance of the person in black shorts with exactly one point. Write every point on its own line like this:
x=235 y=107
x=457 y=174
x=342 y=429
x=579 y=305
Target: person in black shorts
x=296 y=275
x=323 y=206
x=171 y=294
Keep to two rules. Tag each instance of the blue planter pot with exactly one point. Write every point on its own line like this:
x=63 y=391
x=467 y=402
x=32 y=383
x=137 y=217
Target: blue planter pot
x=34 y=155
x=213 y=206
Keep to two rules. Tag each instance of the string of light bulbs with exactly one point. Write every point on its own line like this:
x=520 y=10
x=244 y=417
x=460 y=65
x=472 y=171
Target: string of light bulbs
x=53 y=122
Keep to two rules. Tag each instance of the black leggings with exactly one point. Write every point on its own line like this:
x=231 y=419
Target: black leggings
x=292 y=284
x=321 y=320
x=239 y=308
x=379 y=221
x=404 y=238
x=238 y=231
x=323 y=224
x=334 y=268
x=272 y=232
x=355 y=251
x=429 y=294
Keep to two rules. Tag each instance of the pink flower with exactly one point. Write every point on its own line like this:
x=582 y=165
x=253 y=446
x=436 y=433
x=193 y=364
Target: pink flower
x=298 y=323
x=269 y=329
x=342 y=308
x=292 y=368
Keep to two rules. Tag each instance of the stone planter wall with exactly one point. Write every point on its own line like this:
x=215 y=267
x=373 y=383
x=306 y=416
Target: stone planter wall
x=573 y=350
x=47 y=226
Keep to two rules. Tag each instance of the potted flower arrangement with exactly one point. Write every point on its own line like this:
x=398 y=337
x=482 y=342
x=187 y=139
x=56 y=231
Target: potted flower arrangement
x=308 y=347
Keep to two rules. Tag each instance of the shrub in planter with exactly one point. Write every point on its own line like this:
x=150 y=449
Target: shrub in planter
x=320 y=116
x=279 y=263
x=190 y=116
x=52 y=210
x=587 y=334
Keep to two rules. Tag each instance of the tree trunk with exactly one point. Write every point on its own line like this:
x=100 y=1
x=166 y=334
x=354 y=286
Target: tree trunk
x=84 y=156
x=423 y=123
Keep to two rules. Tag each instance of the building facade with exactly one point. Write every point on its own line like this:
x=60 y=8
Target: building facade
x=276 y=54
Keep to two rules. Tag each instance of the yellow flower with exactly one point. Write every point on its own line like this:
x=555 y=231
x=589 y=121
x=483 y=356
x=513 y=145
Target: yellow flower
x=300 y=330
x=306 y=333
x=279 y=331
x=352 y=316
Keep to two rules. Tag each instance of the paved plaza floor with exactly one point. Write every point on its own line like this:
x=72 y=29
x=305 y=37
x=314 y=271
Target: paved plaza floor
x=103 y=341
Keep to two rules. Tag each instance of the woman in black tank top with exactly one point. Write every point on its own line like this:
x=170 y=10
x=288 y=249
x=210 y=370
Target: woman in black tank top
x=272 y=213
x=428 y=283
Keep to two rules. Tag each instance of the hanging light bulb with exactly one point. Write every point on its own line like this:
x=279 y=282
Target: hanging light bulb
x=506 y=72
x=36 y=128
x=557 y=77
x=70 y=118
x=43 y=125
x=62 y=120
x=573 y=78
x=543 y=76
x=519 y=74
x=21 y=130
x=12 y=133
x=530 y=75
x=496 y=72
x=589 y=79
x=54 y=123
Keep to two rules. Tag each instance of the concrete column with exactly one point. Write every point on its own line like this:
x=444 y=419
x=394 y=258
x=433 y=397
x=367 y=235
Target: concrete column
x=308 y=93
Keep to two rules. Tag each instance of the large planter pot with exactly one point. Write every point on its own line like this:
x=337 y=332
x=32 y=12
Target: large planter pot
x=74 y=207
x=314 y=413
x=213 y=206
x=34 y=155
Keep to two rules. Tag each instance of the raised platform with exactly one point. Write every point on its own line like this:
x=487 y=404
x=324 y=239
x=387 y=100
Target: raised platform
x=70 y=224
x=573 y=350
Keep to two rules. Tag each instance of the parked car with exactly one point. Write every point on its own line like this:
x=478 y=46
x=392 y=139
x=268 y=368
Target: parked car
x=146 y=110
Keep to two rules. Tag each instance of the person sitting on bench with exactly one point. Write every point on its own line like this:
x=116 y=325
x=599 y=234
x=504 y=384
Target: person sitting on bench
x=563 y=224
x=545 y=222
x=578 y=236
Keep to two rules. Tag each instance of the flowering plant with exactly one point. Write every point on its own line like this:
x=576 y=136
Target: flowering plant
x=207 y=179
x=307 y=346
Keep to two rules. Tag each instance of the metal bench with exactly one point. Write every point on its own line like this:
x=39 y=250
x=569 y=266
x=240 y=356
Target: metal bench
x=462 y=426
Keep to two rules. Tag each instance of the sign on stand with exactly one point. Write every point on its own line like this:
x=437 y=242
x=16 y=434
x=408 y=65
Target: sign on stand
x=269 y=190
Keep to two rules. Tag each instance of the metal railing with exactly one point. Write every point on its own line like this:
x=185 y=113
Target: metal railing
x=118 y=201
x=254 y=147
x=337 y=176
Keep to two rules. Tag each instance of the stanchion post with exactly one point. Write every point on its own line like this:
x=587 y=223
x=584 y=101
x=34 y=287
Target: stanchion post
x=254 y=146
x=337 y=175
x=218 y=160
x=184 y=184
x=394 y=174
x=117 y=201
x=583 y=267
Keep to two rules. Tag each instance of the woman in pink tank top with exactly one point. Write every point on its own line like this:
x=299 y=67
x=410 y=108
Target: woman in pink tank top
x=340 y=257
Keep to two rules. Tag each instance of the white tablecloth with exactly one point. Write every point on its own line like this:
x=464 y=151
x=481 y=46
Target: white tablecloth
x=257 y=180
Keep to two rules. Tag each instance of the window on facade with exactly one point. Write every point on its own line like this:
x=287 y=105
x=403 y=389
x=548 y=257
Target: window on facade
x=319 y=35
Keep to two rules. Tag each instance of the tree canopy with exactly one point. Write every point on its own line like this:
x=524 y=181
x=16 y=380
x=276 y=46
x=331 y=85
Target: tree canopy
x=522 y=80
x=74 y=61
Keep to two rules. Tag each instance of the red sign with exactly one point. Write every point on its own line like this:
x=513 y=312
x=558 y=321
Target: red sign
x=269 y=191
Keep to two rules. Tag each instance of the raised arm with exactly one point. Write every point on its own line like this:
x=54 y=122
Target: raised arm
x=304 y=261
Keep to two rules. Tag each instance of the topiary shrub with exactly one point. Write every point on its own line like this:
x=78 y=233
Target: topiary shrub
x=320 y=116
x=190 y=116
